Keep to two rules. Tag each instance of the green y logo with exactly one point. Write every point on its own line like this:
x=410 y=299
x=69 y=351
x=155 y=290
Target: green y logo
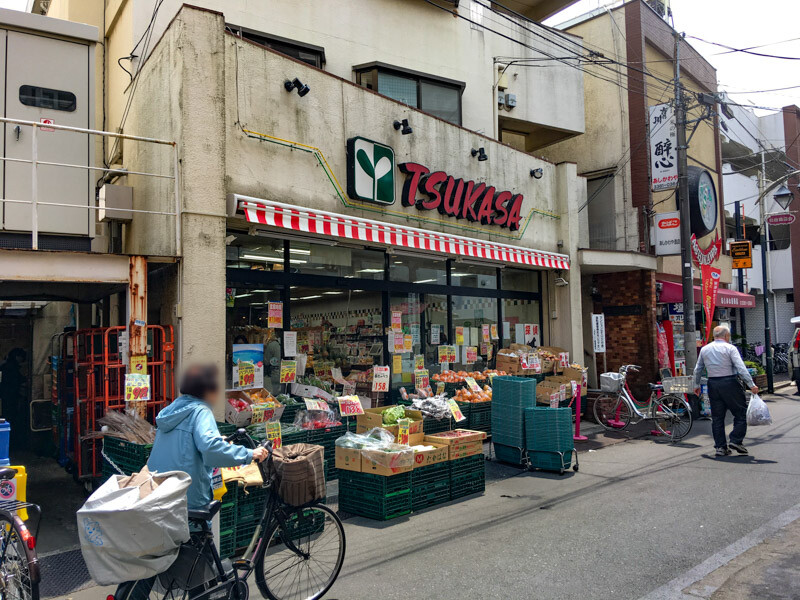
x=370 y=170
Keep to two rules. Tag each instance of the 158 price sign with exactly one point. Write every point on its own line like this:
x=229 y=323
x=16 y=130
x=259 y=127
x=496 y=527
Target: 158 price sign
x=380 y=379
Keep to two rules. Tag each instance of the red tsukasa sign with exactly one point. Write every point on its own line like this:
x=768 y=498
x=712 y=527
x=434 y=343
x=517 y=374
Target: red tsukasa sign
x=470 y=200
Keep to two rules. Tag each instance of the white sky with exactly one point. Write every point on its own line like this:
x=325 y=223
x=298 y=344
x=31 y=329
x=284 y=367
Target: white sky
x=735 y=23
x=739 y=24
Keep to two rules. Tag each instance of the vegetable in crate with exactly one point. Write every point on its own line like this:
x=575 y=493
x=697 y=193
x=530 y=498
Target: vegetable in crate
x=392 y=414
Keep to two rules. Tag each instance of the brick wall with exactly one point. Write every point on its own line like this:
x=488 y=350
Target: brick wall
x=630 y=338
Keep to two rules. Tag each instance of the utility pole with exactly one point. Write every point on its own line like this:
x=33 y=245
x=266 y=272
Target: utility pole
x=689 y=335
x=740 y=272
x=762 y=200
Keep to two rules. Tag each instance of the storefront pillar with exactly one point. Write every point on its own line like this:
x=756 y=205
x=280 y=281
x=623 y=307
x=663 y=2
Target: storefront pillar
x=137 y=314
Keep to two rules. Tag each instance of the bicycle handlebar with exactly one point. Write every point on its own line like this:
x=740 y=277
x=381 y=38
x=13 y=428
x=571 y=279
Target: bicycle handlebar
x=249 y=442
x=625 y=368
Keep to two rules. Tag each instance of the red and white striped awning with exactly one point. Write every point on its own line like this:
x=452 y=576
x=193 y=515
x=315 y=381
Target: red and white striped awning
x=295 y=218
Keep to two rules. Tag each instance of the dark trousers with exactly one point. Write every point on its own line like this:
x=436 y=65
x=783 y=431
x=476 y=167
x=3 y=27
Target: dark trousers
x=726 y=394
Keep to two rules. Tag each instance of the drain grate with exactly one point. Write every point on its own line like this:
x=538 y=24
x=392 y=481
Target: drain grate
x=63 y=573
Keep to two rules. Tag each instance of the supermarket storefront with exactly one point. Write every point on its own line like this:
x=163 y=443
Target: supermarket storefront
x=360 y=292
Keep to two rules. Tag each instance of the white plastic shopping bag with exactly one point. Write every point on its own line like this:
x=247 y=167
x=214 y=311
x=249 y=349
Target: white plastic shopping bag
x=757 y=412
x=131 y=533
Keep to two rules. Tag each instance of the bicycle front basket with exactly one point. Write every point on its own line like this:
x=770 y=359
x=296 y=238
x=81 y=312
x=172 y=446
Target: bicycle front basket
x=300 y=472
x=610 y=382
x=678 y=385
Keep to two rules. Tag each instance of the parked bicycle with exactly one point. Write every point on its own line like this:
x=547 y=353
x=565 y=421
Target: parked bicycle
x=19 y=565
x=295 y=553
x=670 y=412
x=780 y=358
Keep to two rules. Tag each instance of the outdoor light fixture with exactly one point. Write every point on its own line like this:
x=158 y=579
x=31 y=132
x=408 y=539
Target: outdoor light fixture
x=406 y=128
x=537 y=173
x=480 y=153
x=296 y=84
x=783 y=196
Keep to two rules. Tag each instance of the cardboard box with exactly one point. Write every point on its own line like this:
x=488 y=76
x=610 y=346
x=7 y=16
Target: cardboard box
x=466 y=449
x=235 y=417
x=370 y=466
x=425 y=458
x=543 y=391
x=557 y=380
x=348 y=459
x=509 y=364
x=516 y=347
x=468 y=435
x=373 y=417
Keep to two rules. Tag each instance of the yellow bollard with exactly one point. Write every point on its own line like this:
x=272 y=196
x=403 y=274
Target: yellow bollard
x=16 y=489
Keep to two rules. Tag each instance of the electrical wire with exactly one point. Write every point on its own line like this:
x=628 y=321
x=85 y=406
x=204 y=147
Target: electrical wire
x=743 y=50
x=759 y=46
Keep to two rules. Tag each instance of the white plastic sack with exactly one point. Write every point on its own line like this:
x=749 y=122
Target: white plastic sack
x=757 y=412
x=125 y=538
x=610 y=382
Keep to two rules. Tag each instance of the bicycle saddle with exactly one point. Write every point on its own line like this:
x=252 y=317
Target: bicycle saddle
x=7 y=473
x=205 y=513
x=656 y=387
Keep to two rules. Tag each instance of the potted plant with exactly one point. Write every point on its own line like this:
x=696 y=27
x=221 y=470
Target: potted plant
x=760 y=377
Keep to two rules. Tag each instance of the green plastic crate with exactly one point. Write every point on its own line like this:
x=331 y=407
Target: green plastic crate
x=464 y=485
x=514 y=455
x=430 y=494
x=375 y=506
x=226 y=429
x=128 y=456
x=310 y=523
x=431 y=425
x=227 y=516
x=290 y=411
x=550 y=461
x=370 y=483
x=430 y=474
x=227 y=543
x=468 y=465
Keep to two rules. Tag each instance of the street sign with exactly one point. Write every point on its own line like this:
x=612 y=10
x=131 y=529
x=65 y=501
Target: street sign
x=599 y=332
x=742 y=254
x=781 y=219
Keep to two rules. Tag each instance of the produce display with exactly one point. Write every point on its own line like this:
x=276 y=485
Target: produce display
x=287 y=400
x=316 y=419
x=378 y=445
x=467 y=395
x=461 y=376
x=315 y=381
x=392 y=414
x=435 y=407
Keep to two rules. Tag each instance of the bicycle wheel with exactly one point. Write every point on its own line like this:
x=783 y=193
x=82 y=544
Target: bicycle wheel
x=612 y=412
x=282 y=573
x=16 y=581
x=673 y=416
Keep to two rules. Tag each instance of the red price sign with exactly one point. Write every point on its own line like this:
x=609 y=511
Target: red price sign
x=472 y=354
x=137 y=386
x=472 y=384
x=349 y=406
x=380 y=379
x=312 y=404
x=247 y=374
x=274 y=433
x=421 y=379
x=457 y=414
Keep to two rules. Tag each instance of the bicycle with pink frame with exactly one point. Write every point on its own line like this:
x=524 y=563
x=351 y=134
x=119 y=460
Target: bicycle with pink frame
x=666 y=407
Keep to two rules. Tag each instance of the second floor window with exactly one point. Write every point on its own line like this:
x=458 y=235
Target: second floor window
x=313 y=55
x=436 y=96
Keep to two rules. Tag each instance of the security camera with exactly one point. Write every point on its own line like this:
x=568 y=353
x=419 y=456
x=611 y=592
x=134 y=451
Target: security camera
x=561 y=282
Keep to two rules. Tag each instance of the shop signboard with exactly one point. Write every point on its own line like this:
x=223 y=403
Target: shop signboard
x=742 y=254
x=288 y=371
x=380 y=379
x=663 y=147
x=421 y=379
x=290 y=343
x=447 y=354
x=137 y=387
x=350 y=405
x=455 y=410
x=274 y=433
x=459 y=337
x=667 y=233
x=703 y=205
x=472 y=354
x=780 y=219
x=711 y=276
x=315 y=404
x=472 y=384
x=275 y=315
x=599 y=333
x=370 y=171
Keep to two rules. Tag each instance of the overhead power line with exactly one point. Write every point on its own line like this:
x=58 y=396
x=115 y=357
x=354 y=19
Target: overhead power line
x=743 y=50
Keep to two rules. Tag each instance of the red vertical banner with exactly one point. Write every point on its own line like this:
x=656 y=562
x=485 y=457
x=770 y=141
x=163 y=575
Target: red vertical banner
x=710 y=276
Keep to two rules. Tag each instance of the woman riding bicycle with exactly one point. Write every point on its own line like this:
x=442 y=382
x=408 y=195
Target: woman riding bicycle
x=188 y=440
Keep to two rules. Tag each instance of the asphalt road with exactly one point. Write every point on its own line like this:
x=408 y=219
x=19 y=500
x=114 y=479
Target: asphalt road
x=641 y=518
x=637 y=515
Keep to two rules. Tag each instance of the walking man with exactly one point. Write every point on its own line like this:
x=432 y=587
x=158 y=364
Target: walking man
x=724 y=366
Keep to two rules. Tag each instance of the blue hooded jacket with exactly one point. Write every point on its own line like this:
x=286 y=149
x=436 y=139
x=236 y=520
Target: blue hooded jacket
x=187 y=439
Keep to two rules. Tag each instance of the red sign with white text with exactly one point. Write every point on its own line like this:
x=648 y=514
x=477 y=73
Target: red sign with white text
x=710 y=277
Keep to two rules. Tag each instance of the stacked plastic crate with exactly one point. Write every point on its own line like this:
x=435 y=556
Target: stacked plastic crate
x=128 y=457
x=430 y=485
x=549 y=437
x=375 y=496
x=510 y=397
x=467 y=476
x=480 y=417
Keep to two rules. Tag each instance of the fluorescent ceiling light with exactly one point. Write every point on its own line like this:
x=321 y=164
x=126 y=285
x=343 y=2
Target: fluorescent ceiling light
x=333 y=293
x=299 y=251
x=307 y=298
x=261 y=291
x=268 y=258
x=461 y=274
x=371 y=271
x=242 y=295
x=424 y=281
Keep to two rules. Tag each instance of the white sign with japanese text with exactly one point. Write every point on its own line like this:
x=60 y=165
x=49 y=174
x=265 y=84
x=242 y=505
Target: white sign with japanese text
x=599 y=332
x=663 y=148
x=667 y=233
